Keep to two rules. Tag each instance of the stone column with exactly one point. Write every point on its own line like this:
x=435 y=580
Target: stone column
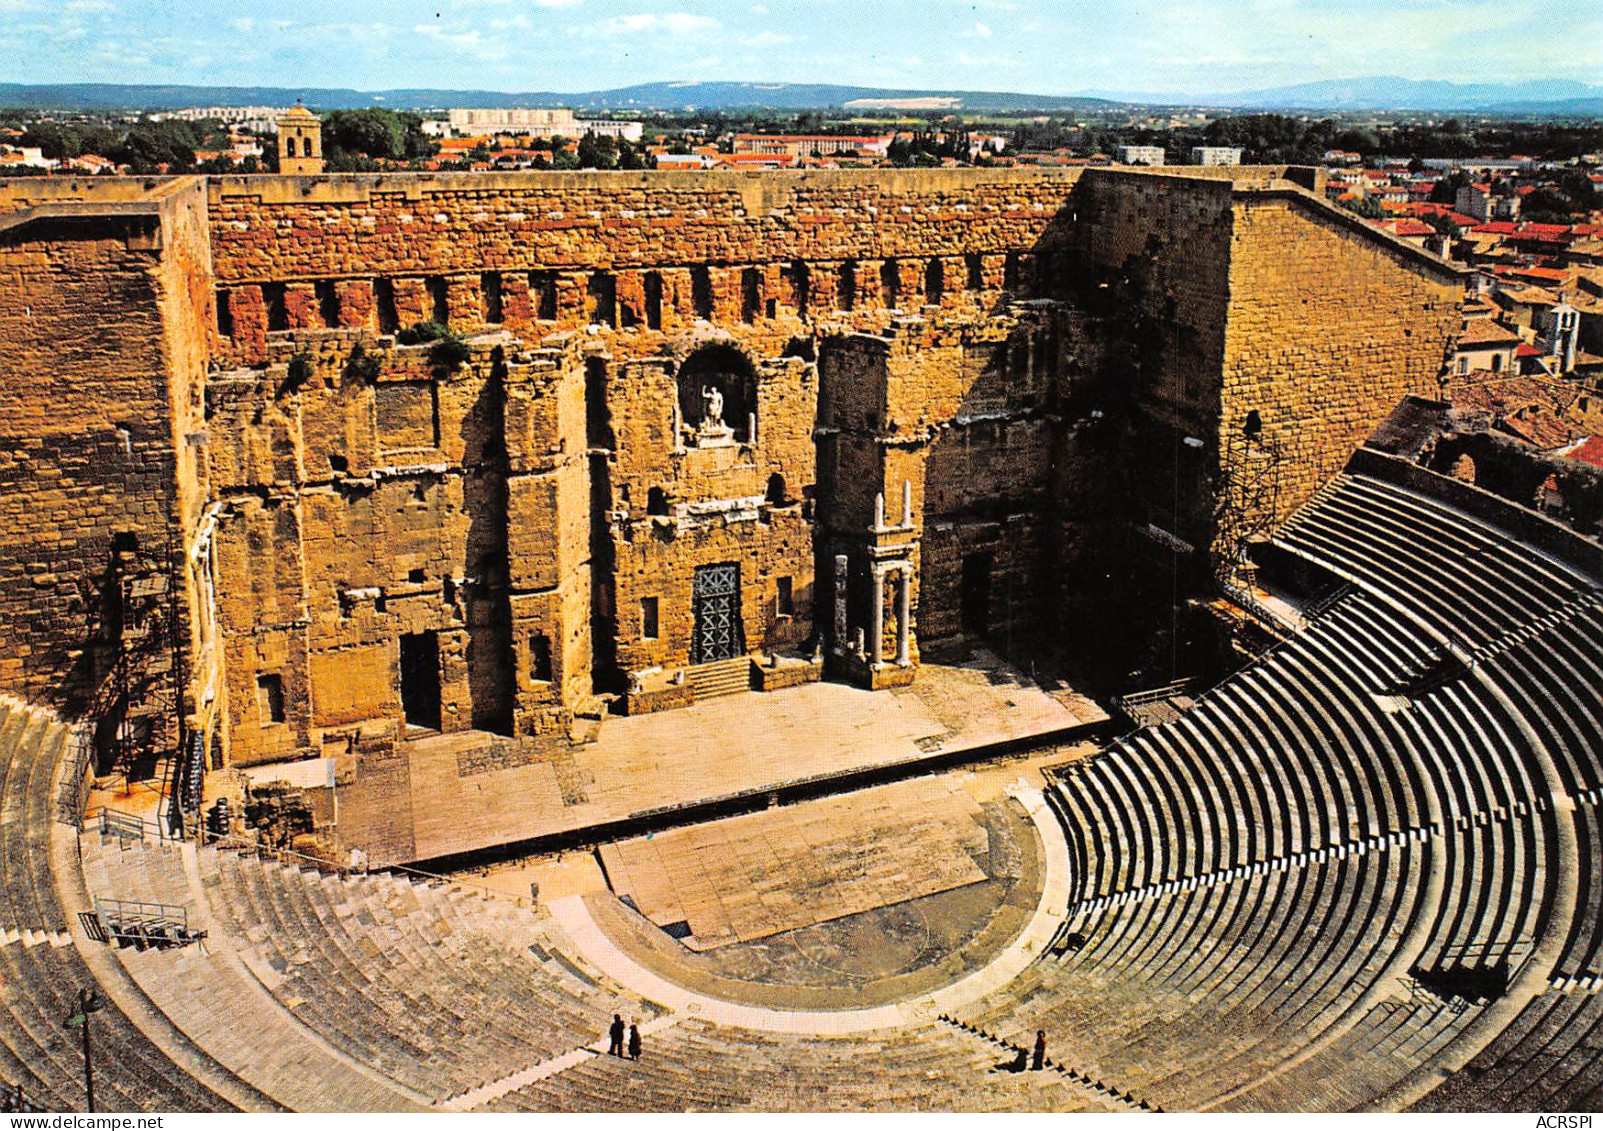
x=877 y=622
x=904 y=618
x=842 y=633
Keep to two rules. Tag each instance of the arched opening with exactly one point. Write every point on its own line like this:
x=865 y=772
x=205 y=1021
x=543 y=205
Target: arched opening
x=657 y=502
x=1253 y=425
x=890 y=283
x=751 y=294
x=801 y=284
x=934 y=282
x=717 y=396
x=701 y=292
x=775 y=495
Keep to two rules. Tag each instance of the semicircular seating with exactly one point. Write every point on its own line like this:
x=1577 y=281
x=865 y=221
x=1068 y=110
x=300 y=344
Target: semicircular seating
x=41 y=972
x=1348 y=863
x=1362 y=872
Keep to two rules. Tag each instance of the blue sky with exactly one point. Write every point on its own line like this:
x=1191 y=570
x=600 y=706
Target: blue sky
x=1045 y=46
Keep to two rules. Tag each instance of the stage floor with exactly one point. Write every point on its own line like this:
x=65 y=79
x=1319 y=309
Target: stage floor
x=450 y=794
x=749 y=877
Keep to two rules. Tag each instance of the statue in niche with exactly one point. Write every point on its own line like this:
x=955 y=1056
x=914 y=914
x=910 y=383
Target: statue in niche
x=713 y=413
x=712 y=432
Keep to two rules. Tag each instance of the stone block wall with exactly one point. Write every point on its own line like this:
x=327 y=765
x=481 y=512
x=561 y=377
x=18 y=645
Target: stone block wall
x=1046 y=360
x=649 y=251
x=104 y=319
x=1328 y=326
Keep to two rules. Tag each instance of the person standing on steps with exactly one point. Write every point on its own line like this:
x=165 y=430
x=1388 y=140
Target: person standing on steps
x=1040 y=1050
x=615 y=1032
x=634 y=1041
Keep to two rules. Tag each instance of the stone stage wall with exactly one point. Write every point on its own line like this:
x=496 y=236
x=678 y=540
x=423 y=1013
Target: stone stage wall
x=889 y=405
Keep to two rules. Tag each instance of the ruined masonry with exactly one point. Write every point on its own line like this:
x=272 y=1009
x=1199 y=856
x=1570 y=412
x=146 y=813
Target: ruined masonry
x=660 y=436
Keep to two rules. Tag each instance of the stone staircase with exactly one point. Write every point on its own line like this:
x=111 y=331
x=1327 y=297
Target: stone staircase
x=721 y=677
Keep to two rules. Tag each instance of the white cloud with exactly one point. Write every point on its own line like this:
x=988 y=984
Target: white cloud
x=665 y=23
x=964 y=59
x=758 y=9
x=768 y=39
x=978 y=31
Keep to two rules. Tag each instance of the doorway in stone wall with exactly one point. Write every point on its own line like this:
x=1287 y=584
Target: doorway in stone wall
x=420 y=679
x=974 y=597
x=715 y=601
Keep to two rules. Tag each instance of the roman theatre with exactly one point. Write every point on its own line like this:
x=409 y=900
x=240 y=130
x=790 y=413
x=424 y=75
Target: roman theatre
x=841 y=622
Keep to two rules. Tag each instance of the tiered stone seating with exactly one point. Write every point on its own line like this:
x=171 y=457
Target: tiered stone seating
x=1550 y=1058
x=1461 y=578
x=1554 y=673
x=40 y=971
x=441 y=989
x=697 y=1066
x=1256 y=867
x=1388 y=1042
x=1210 y=987
x=1582 y=960
x=1378 y=803
x=434 y=988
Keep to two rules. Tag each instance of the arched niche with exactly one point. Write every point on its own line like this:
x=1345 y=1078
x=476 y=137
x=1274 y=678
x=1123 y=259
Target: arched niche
x=717 y=397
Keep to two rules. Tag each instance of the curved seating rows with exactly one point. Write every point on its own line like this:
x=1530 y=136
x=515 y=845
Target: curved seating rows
x=698 y=1066
x=40 y=972
x=439 y=990
x=1259 y=821
x=1547 y=1059
x=1268 y=895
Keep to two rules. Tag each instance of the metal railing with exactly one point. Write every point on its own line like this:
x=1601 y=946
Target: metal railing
x=122 y=825
x=142 y=924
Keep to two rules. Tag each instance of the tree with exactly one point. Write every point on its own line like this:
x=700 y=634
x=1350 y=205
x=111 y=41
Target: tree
x=596 y=152
x=1446 y=190
x=1366 y=206
x=373 y=132
x=1547 y=205
x=1578 y=186
x=362 y=140
x=1443 y=224
x=152 y=147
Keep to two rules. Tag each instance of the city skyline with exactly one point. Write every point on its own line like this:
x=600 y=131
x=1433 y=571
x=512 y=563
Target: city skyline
x=579 y=45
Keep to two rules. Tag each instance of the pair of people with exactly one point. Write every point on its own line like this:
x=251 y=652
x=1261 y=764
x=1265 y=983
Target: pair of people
x=615 y=1033
x=1036 y=1062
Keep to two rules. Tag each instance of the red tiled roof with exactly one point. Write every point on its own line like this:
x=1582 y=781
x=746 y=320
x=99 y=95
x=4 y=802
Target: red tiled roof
x=1527 y=350
x=1589 y=450
x=1486 y=332
x=1548 y=274
x=1410 y=227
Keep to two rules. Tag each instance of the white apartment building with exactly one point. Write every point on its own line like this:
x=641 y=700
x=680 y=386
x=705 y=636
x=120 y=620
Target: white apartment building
x=1139 y=154
x=470 y=122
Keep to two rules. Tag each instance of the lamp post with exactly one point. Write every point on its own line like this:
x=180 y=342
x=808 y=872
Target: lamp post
x=88 y=1002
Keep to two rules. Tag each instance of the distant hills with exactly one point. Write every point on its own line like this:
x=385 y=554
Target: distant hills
x=1413 y=94
x=1552 y=96
x=641 y=98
